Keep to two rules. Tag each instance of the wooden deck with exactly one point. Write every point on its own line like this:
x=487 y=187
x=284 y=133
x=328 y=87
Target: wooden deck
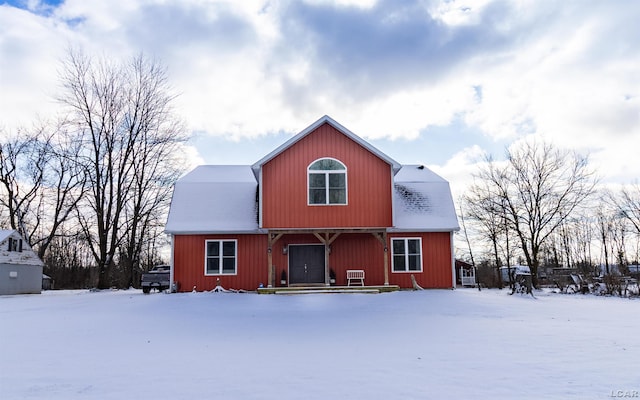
x=329 y=289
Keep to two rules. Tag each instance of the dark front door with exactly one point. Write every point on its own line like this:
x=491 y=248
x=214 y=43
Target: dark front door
x=306 y=264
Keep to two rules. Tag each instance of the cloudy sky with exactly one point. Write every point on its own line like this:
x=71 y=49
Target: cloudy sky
x=425 y=81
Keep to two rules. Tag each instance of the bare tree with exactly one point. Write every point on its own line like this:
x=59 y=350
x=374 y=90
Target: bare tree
x=488 y=216
x=42 y=182
x=465 y=232
x=23 y=157
x=129 y=134
x=156 y=160
x=628 y=203
x=63 y=187
x=605 y=229
x=539 y=187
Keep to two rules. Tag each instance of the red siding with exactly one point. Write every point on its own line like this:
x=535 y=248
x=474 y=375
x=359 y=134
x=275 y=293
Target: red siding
x=436 y=262
x=284 y=185
x=349 y=251
x=189 y=263
x=284 y=206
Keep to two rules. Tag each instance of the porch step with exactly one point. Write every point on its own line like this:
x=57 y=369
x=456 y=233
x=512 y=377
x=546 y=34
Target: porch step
x=328 y=289
x=303 y=291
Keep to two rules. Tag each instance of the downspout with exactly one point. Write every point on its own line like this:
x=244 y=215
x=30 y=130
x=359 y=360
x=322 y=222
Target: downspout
x=453 y=262
x=260 y=199
x=171 y=269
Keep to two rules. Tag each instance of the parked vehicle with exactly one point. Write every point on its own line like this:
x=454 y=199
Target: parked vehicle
x=509 y=274
x=158 y=277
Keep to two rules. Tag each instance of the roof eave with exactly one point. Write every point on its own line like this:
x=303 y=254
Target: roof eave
x=425 y=230
x=215 y=232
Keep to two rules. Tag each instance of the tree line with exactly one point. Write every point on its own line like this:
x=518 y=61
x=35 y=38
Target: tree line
x=90 y=191
x=543 y=207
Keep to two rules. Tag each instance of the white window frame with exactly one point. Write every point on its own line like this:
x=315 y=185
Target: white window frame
x=327 y=173
x=406 y=255
x=221 y=256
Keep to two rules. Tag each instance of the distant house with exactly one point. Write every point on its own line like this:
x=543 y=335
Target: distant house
x=20 y=267
x=323 y=203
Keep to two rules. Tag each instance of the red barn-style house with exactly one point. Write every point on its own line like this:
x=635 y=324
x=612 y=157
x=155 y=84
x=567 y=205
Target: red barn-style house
x=323 y=203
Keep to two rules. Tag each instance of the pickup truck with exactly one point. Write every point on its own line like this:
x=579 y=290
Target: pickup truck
x=158 y=277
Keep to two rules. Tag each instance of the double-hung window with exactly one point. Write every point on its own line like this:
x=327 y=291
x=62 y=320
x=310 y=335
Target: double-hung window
x=406 y=255
x=327 y=182
x=221 y=257
x=15 y=244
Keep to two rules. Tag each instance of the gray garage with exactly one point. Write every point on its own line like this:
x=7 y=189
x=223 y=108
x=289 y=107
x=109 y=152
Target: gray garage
x=20 y=267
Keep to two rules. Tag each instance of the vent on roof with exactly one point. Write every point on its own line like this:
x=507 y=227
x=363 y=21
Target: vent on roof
x=413 y=200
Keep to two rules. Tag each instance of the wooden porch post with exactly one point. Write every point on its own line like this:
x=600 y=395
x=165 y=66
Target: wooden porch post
x=272 y=239
x=386 y=259
x=382 y=238
x=327 y=253
x=327 y=240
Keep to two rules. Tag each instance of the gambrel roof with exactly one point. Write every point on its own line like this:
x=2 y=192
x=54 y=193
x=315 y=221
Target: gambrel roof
x=224 y=198
x=215 y=198
x=422 y=201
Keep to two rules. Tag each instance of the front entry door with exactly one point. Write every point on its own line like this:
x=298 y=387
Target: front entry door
x=306 y=264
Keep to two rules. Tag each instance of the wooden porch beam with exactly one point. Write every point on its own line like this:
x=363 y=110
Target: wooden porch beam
x=320 y=238
x=327 y=230
x=333 y=238
x=274 y=237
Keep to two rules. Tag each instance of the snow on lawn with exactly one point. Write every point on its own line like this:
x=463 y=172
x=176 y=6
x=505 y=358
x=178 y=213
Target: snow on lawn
x=431 y=344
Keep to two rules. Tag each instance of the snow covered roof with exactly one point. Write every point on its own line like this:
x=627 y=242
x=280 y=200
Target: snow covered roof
x=4 y=234
x=214 y=198
x=223 y=199
x=325 y=119
x=24 y=256
x=422 y=201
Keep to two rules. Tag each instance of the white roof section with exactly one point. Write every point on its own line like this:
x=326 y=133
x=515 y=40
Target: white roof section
x=325 y=119
x=4 y=234
x=422 y=202
x=223 y=199
x=214 y=199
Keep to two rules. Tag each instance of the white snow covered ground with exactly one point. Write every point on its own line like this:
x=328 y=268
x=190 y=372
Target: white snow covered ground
x=434 y=344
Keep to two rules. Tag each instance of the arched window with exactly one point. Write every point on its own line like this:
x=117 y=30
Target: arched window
x=327 y=181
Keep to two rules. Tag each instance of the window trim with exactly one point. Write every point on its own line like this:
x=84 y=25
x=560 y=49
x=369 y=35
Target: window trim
x=406 y=255
x=220 y=263
x=327 y=188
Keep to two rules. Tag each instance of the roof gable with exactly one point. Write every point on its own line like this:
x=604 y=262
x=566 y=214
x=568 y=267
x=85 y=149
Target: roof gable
x=311 y=128
x=24 y=256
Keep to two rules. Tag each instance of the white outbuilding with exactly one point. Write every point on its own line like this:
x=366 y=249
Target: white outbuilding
x=20 y=266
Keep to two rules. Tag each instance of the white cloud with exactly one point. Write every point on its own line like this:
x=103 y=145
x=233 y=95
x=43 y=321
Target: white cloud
x=459 y=169
x=29 y=47
x=567 y=71
x=344 y=3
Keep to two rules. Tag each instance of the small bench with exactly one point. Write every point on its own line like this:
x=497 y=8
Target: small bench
x=355 y=275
